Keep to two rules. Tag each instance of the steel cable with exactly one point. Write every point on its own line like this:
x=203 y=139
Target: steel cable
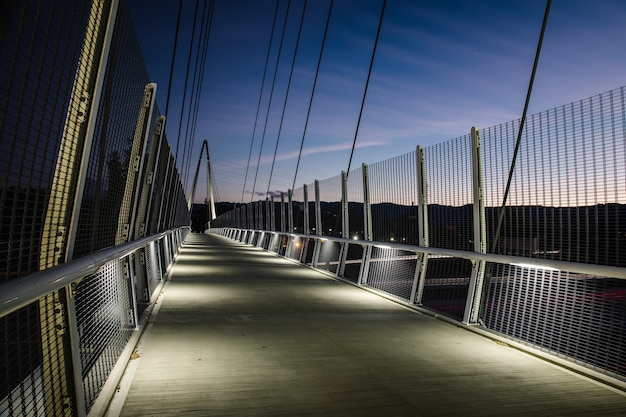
x=308 y=113
x=258 y=108
x=282 y=117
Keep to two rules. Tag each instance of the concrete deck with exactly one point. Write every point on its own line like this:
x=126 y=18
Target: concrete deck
x=241 y=332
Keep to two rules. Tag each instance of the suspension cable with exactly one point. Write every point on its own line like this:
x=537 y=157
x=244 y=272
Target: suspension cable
x=269 y=105
x=258 y=108
x=169 y=85
x=308 y=113
x=195 y=93
x=201 y=61
x=369 y=73
x=282 y=117
x=521 y=128
x=182 y=111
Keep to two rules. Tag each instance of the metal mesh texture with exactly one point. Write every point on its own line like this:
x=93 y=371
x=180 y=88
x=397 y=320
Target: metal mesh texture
x=575 y=315
x=567 y=199
x=48 y=61
x=330 y=204
x=392 y=271
x=446 y=285
x=39 y=51
x=393 y=198
x=356 y=229
x=354 y=261
x=297 y=207
x=450 y=196
x=105 y=323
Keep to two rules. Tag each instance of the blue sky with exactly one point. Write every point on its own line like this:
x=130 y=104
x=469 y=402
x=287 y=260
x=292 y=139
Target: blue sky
x=441 y=67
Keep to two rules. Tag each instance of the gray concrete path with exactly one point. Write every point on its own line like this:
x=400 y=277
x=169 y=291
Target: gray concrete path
x=241 y=332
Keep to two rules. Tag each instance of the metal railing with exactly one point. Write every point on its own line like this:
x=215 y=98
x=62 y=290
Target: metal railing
x=97 y=312
x=423 y=229
x=93 y=208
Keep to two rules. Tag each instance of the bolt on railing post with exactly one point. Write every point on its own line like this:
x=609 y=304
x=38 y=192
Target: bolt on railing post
x=474 y=293
x=367 y=225
x=417 y=289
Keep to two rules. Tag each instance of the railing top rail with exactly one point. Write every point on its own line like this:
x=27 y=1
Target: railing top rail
x=20 y=292
x=575 y=267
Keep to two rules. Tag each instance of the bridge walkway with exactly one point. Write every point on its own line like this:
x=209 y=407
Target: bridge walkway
x=238 y=331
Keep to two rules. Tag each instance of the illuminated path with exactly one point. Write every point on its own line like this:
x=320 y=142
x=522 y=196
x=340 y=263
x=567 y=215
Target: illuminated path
x=242 y=332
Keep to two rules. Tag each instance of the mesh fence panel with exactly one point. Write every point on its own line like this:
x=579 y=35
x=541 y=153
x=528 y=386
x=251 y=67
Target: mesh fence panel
x=39 y=52
x=354 y=261
x=392 y=271
x=567 y=199
x=105 y=323
x=330 y=203
x=393 y=197
x=297 y=208
x=356 y=229
x=49 y=58
x=575 y=315
x=450 y=196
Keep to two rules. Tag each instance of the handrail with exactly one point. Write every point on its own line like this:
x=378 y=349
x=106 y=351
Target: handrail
x=20 y=292
x=575 y=267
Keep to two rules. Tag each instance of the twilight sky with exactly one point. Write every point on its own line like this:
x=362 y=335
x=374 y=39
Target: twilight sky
x=441 y=67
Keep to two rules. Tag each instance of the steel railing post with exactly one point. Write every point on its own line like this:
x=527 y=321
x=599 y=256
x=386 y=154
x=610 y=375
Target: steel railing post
x=474 y=293
x=367 y=224
x=345 y=224
x=417 y=289
x=318 y=225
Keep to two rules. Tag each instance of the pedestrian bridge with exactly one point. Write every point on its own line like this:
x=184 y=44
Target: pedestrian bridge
x=241 y=331
x=485 y=275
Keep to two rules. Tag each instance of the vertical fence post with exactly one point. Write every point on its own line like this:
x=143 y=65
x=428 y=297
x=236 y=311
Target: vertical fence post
x=417 y=290
x=289 y=222
x=367 y=225
x=282 y=212
x=62 y=215
x=474 y=294
x=272 y=215
x=318 y=225
x=306 y=227
x=290 y=210
x=153 y=170
x=345 y=224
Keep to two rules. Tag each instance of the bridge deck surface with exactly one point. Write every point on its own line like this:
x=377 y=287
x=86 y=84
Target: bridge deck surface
x=242 y=332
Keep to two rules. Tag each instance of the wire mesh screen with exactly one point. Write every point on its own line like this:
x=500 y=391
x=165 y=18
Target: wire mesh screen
x=297 y=210
x=580 y=316
x=105 y=323
x=121 y=102
x=154 y=271
x=21 y=386
x=450 y=224
x=393 y=197
x=567 y=199
x=446 y=285
x=356 y=229
x=354 y=261
x=392 y=271
x=330 y=203
x=450 y=195
x=35 y=94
